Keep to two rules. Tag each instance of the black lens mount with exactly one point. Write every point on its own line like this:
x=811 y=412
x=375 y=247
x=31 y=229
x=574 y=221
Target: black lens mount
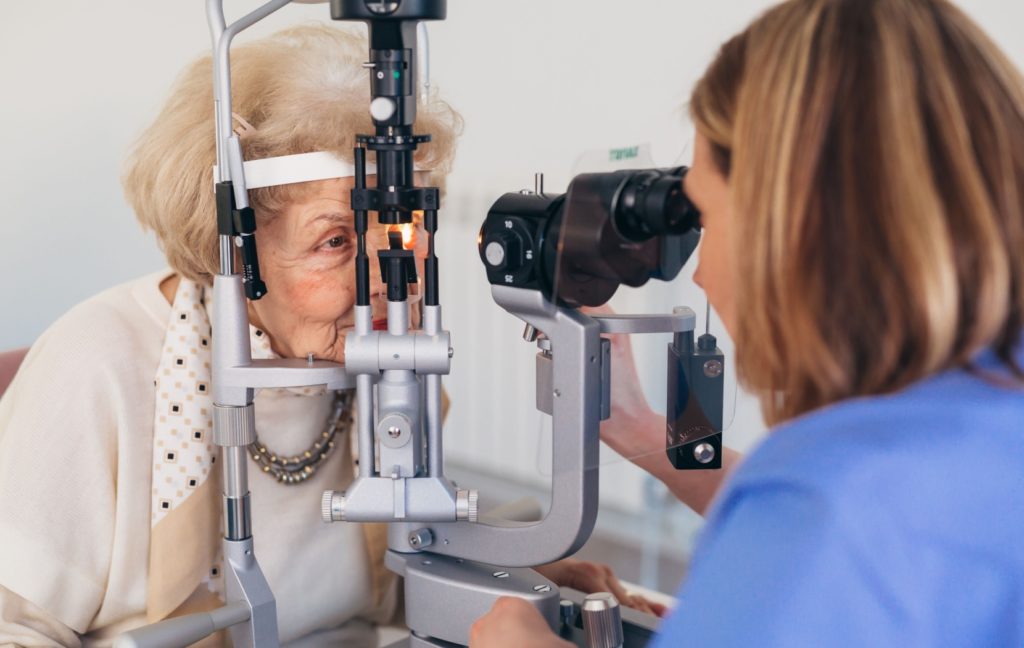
x=609 y=229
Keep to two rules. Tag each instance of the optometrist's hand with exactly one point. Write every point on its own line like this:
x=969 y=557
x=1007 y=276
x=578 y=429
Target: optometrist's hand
x=634 y=430
x=589 y=577
x=637 y=432
x=513 y=623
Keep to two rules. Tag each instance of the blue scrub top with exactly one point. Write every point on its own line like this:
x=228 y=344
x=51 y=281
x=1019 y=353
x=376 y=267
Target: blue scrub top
x=885 y=521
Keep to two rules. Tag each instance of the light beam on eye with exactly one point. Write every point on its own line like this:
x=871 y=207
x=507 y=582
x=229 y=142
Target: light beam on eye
x=408 y=231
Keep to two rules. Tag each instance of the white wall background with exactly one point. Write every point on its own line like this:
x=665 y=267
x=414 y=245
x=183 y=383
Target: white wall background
x=537 y=81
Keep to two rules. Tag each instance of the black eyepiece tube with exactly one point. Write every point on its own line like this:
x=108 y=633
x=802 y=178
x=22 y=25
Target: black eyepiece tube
x=362 y=260
x=430 y=265
x=652 y=203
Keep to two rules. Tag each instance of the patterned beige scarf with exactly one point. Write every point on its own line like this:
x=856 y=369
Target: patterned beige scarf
x=185 y=511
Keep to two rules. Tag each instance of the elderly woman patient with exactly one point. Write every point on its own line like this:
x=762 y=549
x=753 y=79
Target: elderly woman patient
x=109 y=494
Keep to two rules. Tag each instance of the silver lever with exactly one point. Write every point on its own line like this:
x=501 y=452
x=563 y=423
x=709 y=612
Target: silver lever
x=184 y=630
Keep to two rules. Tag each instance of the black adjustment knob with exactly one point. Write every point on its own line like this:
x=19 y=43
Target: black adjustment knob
x=504 y=251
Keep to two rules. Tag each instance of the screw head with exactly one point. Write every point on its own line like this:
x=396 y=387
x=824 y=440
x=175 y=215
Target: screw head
x=704 y=453
x=713 y=368
x=394 y=432
x=500 y=574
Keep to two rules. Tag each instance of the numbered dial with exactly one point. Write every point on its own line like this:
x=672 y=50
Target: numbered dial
x=507 y=252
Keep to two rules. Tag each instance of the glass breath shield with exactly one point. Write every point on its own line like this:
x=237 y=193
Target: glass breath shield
x=624 y=227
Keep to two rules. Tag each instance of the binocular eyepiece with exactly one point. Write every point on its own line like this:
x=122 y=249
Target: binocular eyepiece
x=651 y=203
x=608 y=229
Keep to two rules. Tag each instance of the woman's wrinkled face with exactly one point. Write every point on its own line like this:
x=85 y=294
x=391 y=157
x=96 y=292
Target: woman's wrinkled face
x=708 y=188
x=307 y=259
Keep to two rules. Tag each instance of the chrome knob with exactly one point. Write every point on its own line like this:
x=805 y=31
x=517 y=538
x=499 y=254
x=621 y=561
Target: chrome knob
x=602 y=621
x=332 y=506
x=466 y=503
x=704 y=453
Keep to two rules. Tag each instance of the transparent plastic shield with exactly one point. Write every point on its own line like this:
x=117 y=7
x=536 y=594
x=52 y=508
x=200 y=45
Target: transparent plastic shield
x=672 y=384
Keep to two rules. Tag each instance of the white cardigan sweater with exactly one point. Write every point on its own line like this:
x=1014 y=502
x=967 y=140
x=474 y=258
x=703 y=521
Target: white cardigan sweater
x=76 y=436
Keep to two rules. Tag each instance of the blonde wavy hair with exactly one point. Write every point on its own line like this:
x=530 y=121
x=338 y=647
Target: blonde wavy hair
x=875 y=153
x=302 y=89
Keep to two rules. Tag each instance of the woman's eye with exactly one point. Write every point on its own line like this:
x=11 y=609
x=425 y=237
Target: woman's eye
x=336 y=242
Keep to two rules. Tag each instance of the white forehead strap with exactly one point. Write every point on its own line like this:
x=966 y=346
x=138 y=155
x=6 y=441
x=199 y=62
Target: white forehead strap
x=302 y=167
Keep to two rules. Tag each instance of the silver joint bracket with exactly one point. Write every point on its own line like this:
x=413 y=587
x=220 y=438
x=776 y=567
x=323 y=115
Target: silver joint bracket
x=400 y=499
x=244 y=582
x=381 y=351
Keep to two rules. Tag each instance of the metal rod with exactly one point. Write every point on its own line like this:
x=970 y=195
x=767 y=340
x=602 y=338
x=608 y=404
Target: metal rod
x=430 y=264
x=364 y=400
x=423 y=58
x=362 y=260
x=237 y=519
x=435 y=450
x=398 y=317
x=227 y=256
x=237 y=516
x=236 y=471
x=222 y=37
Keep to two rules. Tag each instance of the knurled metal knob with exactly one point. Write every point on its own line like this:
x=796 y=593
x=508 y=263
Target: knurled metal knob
x=466 y=503
x=332 y=506
x=602 y=621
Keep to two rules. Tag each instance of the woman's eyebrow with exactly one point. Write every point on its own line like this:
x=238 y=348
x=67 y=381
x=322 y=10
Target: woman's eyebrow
x=331 y=217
